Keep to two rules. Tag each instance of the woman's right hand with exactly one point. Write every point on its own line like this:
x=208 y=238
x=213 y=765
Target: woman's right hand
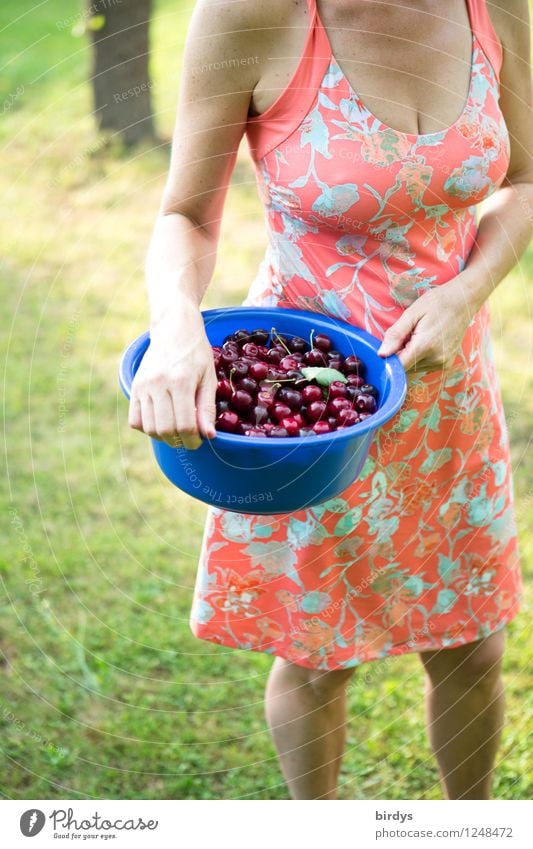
x=173 y=392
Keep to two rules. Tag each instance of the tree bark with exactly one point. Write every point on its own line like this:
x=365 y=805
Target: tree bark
x=120 y=73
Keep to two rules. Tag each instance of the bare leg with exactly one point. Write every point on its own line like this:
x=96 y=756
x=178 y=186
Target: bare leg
x=464 y=710
x=306 y=714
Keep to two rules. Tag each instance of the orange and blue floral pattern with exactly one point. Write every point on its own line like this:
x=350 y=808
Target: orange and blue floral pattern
x=421 y=552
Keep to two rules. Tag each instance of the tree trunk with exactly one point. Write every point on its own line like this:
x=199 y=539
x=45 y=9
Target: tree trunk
x=120 y=77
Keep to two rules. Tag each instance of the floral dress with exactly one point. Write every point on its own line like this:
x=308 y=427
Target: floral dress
x=421 y=551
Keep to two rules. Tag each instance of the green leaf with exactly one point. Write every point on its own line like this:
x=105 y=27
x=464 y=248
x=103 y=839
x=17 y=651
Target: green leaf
x=348 y=522
x=323 y=376
x=435 y=460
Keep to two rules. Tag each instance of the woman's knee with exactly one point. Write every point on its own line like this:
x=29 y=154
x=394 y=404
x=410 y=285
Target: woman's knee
x=321 y=685
x=477 y=663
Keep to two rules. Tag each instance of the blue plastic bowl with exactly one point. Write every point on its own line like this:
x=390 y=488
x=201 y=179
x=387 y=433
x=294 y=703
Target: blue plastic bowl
x=268 y=476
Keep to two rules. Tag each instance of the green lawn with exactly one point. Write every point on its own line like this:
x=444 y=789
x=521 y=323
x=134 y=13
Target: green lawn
x=105 y=692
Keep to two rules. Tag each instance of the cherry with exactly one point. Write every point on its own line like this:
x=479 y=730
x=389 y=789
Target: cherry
x=280 y=411
x=332 y=421
x=241 y=400
x=258 y=370
x=321 y=427
x=248 y=384
x=314 y=357
x=311 y=393
x=335 y=362
x=228 y=356
x=250 y=349
x=363 y=416
x=296 y=375
x=297 y=345
x=291 y=397
x=322 y=342
x=366 y=404
x=315 y=411
x=352 y=392
x=288 y=363
x=299 y=418
x=369 y=389
x=265 y=397
x=291 y=425
x=353 y=365
x=276 y=374
x=337 y=389
x=336 y=405
x=259 y=336
x=227 y=421
x=222 y=407
x=224 y=390
x=307 y=431
x=259 y=414
x=355 y=380
x=274 y=356
x=239 y=369
x=241 y=336
x=254 y=431
x=262 y=352
x=347 y=417
x=278 y=432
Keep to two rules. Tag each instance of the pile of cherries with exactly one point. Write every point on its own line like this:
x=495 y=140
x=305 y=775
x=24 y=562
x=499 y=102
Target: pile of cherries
x=262 y=390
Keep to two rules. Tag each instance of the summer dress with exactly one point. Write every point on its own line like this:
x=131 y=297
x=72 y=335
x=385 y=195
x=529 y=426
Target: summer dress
x=421 y=552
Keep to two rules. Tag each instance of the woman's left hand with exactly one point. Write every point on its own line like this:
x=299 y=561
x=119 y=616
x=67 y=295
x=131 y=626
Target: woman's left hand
x=428 y=335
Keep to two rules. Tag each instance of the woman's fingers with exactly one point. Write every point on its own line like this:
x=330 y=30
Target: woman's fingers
x=165 y=420
x=205 y=403
x=396 y=336
x=185 y=417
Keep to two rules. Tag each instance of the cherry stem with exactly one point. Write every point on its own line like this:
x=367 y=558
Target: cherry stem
x=278 y=337
x=232 y=372
x=311 y=338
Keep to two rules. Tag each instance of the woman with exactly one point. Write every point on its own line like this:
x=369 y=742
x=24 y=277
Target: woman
x=375 y=130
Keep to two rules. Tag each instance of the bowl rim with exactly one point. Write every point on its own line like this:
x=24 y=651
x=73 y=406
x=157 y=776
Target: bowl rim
x=396 y=373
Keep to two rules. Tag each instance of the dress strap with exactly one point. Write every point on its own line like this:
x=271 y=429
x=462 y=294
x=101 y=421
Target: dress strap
x=487 y=36
x=267 y=130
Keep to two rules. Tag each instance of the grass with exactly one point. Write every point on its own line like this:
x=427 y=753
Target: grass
x=105 y=692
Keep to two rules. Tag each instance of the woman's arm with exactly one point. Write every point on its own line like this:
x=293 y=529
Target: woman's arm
x=174 y=390
x=427 y=336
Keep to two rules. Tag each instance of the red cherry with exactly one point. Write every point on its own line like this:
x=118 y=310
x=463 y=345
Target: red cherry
x=297 y=345
x=332 y=421
x=222 y=406
x=353 y=365
x=224 y=390
x=366 y=404
x=228 y=422
x=369 y=389
x=268 y=426
x=262 y=352
x=288 y=363
x=280 y=411
x=254 y=431
x=352 y=392
x=260 y=336
x=228 y=356
x=291 y=397
x=311 y=393
x=314 y=357
x=315 y=411
x=241 y=400
x=248 y=384
x=335 y=362
x=239 y=369
x=274 y=356
x=299 y=419
x=336 y=405
x=322 y=342
x=259 y=414
x=347 y=417
x=337 y=389
x=291 y=426
x=321 y=428
x=258 y=370
x=250 y=349
x=265 y=397
x=307 y=431
x=278 y=432
x=355 y=380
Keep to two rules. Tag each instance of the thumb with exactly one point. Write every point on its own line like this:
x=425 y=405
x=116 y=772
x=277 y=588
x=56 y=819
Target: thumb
x=397 y=334
x=205 y=404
